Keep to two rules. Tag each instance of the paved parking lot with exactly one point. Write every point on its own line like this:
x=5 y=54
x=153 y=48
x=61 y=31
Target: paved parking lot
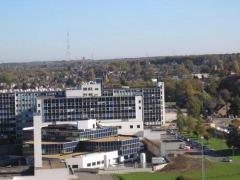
x=91 y=176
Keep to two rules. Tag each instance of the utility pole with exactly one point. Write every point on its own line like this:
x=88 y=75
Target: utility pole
x=203 y=168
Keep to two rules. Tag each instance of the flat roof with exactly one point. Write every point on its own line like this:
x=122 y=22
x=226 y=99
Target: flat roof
x=62 y=156
x=112 y=138
x=48 y=142
x=52 y=164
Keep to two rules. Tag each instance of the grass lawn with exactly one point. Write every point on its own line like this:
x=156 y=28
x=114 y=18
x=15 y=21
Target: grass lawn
x=212 y=143
x=219 y=145
x=216 y=171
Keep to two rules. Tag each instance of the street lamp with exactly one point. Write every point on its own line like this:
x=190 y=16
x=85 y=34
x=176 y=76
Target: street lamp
x=233 y=152
x=203 y=168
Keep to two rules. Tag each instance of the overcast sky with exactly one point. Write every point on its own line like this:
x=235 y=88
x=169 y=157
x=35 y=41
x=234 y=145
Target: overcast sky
x=37 y=30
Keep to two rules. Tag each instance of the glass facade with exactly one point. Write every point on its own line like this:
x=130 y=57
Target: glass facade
x=80 y=135
x=152 y=98
x=8 y=123
x=52 y=148
x=124 y=147
x=99 y=108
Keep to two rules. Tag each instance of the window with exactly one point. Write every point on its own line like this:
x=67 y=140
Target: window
x=131 y=126
x=138 y=126
x=119 y=127
x=139 y=108
x=94 y=164
x=88 y=164
x=75 y=166
x=102 y=162
x=98 y=162
x=38 y=105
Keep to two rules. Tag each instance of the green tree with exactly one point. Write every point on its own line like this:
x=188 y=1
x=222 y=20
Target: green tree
x=137 y=70
x=5 y=78
x=149 y=72
x=233 y=138
x=199 y=129
x=235 y=106
x=225 y=94
x=194 y=107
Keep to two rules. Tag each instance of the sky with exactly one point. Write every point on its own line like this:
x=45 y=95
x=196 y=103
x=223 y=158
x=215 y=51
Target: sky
x=33 y=30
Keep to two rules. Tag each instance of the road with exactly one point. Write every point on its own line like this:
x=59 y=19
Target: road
x=197 y=149
x=92 y=176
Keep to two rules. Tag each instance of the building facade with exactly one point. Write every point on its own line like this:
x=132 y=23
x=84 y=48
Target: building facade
x=153 y=101
x=125 y=108
x=124 y=112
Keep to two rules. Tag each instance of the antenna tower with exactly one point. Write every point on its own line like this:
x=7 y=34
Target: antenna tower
x=68 y=53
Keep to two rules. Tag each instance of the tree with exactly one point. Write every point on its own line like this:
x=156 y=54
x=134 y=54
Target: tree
x=235 y=106
x=137 y=70
x=181 y=70
x=233 y=138
x=235 y=67
x=180 y=120
x=184 y=89
x=5 y=78
x=149 y=72
x=211 y=86
x=185 y=123
x=194 y=107
x=199 y=128
x=91 y=74
x=225 y=94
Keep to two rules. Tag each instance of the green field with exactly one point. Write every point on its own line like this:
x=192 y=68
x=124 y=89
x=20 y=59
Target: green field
x=216 y=171
x=217 y=144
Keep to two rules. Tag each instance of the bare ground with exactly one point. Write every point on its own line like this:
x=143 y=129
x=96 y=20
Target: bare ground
x=183 y=164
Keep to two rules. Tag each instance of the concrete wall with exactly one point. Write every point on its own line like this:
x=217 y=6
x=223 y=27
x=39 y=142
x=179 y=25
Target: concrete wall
x=37 y=134
x=159 y=167
x=152 y=147
x=128 y=127
x=86 y=90
x=170 y=147
x=47 y=174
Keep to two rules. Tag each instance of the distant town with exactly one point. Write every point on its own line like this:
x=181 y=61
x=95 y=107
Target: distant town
x=172 y=116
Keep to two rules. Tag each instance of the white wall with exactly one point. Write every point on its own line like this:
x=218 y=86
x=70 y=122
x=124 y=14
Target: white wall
x=91 y=89
x=162 y=95
x=87 y=124
x=130 y=127
x=86 y=90
x=73 y=93
x=83 y=160
x=37 y=133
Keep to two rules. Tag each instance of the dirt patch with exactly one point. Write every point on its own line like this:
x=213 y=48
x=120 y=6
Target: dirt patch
x=183 y=164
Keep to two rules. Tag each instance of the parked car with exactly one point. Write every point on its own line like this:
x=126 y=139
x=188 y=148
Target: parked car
x=226 y=159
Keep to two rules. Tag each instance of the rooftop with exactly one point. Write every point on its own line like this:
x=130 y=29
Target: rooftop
x=48 y=142
x=113 y=138
x=63 y=156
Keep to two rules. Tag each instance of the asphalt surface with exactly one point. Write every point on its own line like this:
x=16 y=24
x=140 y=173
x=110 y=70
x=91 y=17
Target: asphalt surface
x=92 y=176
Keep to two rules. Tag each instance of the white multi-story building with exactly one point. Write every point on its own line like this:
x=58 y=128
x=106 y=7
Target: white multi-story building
x=87 y=89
